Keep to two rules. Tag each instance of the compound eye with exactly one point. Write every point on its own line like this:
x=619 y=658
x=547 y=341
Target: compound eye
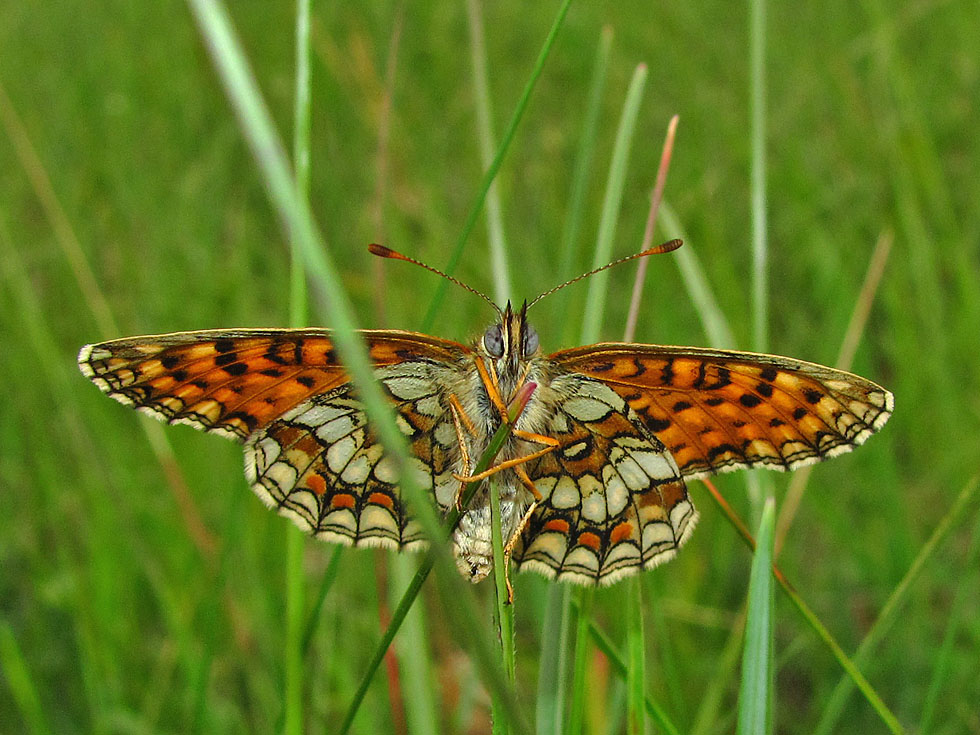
x=493 y=341
x=530 y=341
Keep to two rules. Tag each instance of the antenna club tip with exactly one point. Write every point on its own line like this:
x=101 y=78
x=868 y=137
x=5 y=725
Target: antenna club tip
x=381 y=251
x=667 y=247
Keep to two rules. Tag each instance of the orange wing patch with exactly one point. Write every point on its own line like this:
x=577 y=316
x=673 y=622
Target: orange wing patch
x=719 y=410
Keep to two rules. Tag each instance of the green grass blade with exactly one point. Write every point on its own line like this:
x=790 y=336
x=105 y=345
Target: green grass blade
x=599 y=283
x=484 y=129
x=636 y=654
x=756 y=692
x=20 y=682
x=498 y=159
x=760 y=244
x=582 y=174
x=715 y=323
x=959 y=613
x=415 y=670
x=889 y=611
x=583 y=599
x=553 y=661
x=503 y=611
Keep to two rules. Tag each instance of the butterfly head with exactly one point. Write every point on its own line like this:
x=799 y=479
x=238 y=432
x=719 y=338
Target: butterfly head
x=510 y=342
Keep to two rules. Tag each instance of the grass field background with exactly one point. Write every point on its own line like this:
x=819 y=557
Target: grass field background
x=140 y=595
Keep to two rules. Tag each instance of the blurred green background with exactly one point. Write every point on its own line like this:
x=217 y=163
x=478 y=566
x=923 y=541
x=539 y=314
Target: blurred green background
x=131 y=602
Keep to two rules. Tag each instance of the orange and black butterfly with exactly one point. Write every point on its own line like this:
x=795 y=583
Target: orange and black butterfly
x=592 y=477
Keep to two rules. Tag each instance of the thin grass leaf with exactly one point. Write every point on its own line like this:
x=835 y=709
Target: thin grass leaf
x=419 y=688
x=503 y=612
x=553 y=661
x=757 y=134
x=812 y=620
x=618 y=662
x=756 y=694
x=582 y=599
x=581 y=176
x=606 y=236
x=491 y=172
x=636 y=654
x=484 y=128
x=960 y=611
x=293 y=719
x=889 y=611
x=19 y=680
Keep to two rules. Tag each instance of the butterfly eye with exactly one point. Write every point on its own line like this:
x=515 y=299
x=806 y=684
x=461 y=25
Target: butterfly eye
x=530 y=341
x=493 y=341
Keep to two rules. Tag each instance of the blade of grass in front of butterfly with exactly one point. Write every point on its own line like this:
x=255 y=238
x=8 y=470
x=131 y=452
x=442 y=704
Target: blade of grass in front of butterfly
x=599 y=283
x=297 y=219
x=889 y=611
x=411 y=592
x=491 y=173
x=256 y=124
x=296 y=539
x=960 y=611
x=503 y=616
x=755 y=698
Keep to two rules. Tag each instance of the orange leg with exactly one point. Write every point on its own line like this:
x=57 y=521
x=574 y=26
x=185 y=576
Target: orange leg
x=490 y=383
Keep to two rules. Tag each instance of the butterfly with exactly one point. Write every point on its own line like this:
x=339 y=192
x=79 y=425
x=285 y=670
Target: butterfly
x=591 y=477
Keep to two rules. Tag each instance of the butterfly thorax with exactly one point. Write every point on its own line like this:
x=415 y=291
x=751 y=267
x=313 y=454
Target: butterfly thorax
x=508 y=353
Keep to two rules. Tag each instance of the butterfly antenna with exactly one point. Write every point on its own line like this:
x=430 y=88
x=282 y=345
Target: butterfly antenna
x=383 y=251
x=665 y=248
